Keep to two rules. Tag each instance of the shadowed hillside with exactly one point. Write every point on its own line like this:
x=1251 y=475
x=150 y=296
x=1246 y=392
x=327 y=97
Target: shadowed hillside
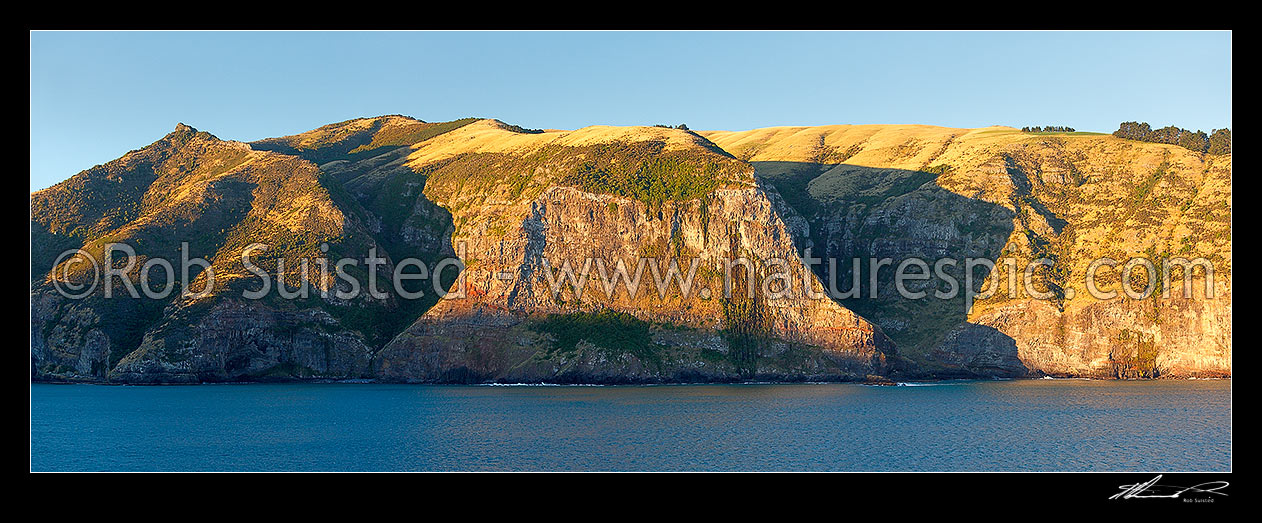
x=219 y=197
x=511 y=208
x=904 y=191
x=505 y=199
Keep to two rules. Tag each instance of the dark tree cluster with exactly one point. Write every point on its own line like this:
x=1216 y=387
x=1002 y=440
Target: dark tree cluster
x=1218 y=142
x=1048 y=129
x=682 y=127
x=523 y=130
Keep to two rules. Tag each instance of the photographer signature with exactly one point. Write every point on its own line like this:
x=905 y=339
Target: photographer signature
x=1151 y=489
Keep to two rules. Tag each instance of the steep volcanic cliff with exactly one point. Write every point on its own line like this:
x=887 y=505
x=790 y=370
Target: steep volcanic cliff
x=191 y=195
x=513 y=205
x=1072 y=198
x=634 y=254
x=526 y=205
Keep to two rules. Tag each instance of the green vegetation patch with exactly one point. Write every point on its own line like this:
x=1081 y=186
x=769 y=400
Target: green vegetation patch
x=615 y=331
x=644 y=171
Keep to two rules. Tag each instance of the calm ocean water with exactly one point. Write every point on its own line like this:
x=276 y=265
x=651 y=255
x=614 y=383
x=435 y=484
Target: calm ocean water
x=1029 y=425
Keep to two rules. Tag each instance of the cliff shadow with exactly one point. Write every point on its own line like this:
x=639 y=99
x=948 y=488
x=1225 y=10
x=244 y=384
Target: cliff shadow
x=864 y=222
x=407 y=225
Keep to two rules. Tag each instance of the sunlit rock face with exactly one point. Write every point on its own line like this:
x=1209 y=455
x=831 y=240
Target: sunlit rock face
x=997 y=193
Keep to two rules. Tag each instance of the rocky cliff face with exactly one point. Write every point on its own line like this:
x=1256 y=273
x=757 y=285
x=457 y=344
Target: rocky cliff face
x=615 y=207
x=1118 y=338
x=191 y=195
x=515 y=206
x=923 y=192
x=692 y=330
x=519 y=229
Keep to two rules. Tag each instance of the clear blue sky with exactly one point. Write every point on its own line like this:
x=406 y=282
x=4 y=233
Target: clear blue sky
x=97 y=95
